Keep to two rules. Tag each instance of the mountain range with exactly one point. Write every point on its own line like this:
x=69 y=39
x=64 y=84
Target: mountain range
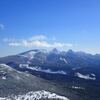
x=69 y=74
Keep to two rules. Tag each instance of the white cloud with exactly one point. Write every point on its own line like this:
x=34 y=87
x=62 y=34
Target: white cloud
x=9 y=39
x=1 y=26
x=36 y=41
x=14 y=44
x=38 y=37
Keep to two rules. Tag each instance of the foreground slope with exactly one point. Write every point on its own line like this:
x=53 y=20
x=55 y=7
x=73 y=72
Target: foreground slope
x=21 y=84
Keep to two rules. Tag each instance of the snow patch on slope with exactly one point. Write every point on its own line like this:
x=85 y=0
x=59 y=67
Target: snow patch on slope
x=87 y=76
x=93 y=74
x=64 y=60
x=38 y=95
x=76 y=87
x=29 y=55
x=4 y=77
x=46 y=70
x=3 y=66
x=23 y=65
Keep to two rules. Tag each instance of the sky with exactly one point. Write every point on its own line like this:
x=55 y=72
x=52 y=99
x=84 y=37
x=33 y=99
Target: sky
x=47 y=24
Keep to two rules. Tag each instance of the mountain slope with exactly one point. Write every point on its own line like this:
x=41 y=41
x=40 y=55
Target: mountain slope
x=13 y=82
x=73 y=72
x=58 y=59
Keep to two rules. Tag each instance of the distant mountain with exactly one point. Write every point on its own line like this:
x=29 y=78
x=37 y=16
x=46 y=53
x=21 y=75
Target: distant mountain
x=54 y=59
x=41 y=62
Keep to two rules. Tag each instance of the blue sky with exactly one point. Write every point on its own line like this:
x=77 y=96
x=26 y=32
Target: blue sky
x=64 y=24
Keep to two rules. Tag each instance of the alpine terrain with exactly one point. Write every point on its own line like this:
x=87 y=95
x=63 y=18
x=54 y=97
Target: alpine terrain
x=50 y=75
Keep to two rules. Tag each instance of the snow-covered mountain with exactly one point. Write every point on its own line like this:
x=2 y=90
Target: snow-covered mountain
x=31 y=53
x=77 y=72
x=54 y=58
x=53 y=61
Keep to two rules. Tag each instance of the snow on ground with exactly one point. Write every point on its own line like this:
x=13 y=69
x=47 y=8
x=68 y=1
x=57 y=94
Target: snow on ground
x=3 y=66
x=93 y=74
x=64 y=60
x=3 y=74
x=36 y=68
x=76 y=68
x=76 y=87
x=87 y=76
x=2 y=98
x=32 y=53
x=4 y=77
x=38 y=95
x=46 y=70
x=29 y=55
x=23 y=65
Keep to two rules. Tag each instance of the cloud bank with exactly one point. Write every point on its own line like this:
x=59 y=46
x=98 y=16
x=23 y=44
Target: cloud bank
x=36 y=41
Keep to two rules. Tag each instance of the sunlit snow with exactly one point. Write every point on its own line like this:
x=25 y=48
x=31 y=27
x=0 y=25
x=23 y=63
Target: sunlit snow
x=38 y=95
x=47 y=70
x=87 y=76
x=77 y=87
x=64 y=60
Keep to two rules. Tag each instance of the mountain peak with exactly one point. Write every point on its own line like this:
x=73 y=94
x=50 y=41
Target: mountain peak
x=70 y=51
x=55 y=50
